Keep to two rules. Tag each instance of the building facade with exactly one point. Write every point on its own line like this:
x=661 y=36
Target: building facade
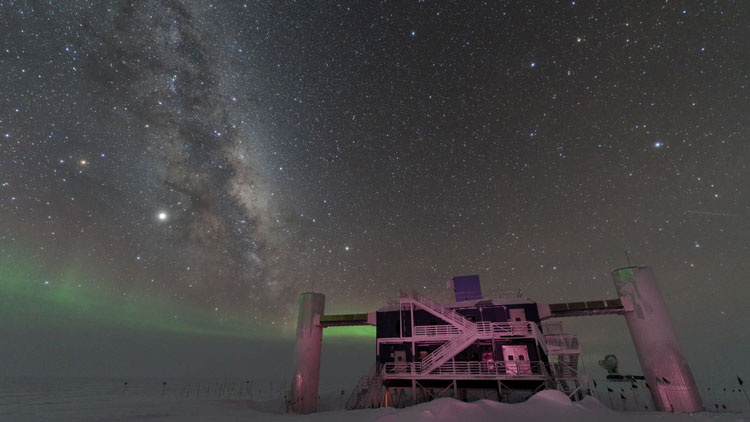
x=472 y=348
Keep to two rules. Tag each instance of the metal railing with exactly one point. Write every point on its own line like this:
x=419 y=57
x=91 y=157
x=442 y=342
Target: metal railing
x=435 y=330
x=506 y=329
x=562 y=341
x=494 y=329
x=459 y=341
x=450 y=315
x=552 y=327
x=567 y=365
x=483 y=369
x=367 y=389
x=450 y=348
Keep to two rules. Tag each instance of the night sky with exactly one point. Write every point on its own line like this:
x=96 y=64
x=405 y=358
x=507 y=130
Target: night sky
x=186 y=168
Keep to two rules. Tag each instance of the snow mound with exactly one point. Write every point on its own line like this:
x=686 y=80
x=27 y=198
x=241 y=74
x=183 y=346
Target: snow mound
x=542 y=406
x=591 y=403
x=549 y=397
x=88 y=404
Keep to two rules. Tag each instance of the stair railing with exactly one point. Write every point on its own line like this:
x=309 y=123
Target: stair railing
x=448 y=349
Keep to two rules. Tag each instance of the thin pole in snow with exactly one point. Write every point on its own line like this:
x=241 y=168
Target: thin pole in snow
x=742 y=388
x=745 y=393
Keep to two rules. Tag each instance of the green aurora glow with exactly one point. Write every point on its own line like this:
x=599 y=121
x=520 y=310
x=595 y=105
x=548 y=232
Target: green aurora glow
x=29 y=295
x=359 y=331
x=69 y=295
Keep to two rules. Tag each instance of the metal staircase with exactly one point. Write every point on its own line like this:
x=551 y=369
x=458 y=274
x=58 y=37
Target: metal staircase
x=467 y=331
x=367 y=392
x=449 y=315
x=449 y=349
x=563 y=352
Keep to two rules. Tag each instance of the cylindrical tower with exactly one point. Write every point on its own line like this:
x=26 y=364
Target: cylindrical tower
x=667 y=373
x=307 y=352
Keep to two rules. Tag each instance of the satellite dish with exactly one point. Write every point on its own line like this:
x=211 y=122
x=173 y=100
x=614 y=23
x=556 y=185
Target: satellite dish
x=610 y=364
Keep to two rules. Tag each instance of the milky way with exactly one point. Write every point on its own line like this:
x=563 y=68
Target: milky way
x=214 y=160
x=152 y=62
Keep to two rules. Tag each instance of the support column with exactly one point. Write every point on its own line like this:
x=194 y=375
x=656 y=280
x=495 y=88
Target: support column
x=665 y=368
x=307 y=352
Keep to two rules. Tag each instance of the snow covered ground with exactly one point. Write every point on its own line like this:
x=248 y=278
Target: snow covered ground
x=149 y=400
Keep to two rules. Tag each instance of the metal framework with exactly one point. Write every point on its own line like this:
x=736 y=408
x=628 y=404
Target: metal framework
x=437 y=371
x=440 y=374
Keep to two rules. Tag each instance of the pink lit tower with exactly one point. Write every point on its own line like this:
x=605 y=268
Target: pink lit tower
x=665 y=368
x=307 y=352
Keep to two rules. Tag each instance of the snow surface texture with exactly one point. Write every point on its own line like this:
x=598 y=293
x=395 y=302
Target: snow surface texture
x=56 y=404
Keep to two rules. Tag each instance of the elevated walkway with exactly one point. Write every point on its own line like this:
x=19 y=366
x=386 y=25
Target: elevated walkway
x=485 y=330
x=345 y=320
x=591 y=307
x=500 y=370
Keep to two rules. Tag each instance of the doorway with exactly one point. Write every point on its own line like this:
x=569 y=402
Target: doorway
x=518 y=326
x=516 y=359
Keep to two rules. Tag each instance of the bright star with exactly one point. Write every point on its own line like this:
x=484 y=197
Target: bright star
x=658 y=144
x=346 y=248
x=162 y=216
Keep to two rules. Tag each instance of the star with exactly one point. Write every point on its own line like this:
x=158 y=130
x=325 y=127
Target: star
x=162 y=216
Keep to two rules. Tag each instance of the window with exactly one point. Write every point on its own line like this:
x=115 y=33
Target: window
x=510 y=357
x=521 y=357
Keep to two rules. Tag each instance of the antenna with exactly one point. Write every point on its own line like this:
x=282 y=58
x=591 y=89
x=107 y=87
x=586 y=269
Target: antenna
x=627 y=258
